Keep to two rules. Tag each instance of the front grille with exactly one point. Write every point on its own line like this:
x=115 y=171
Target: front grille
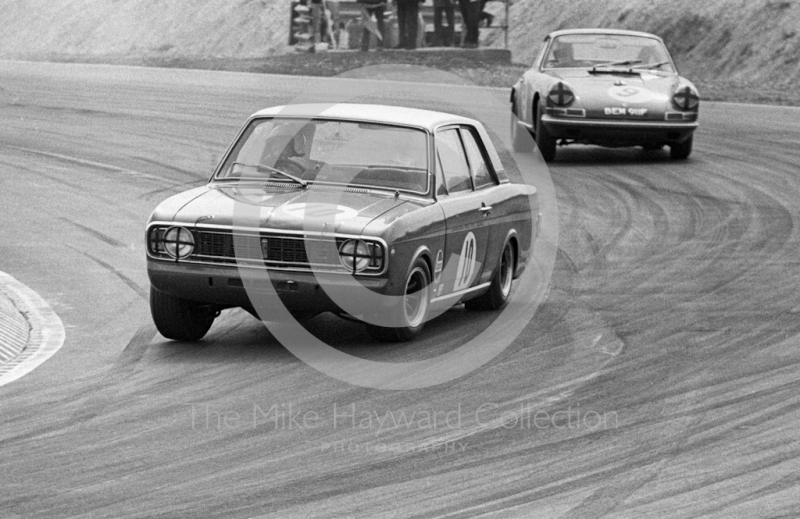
x=288 y=250
x=281 y=251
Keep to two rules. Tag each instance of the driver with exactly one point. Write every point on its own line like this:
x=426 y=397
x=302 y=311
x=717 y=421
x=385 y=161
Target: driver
x=564 y=55
x=284 y=141
x=647 y=56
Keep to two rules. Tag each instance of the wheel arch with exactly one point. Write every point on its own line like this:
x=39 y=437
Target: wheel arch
x=513 y=99
x=515 y=246
x=424 y=253
x=512 y=238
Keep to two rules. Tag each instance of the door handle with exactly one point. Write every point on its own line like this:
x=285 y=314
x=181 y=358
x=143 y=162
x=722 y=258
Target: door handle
x=485 y=209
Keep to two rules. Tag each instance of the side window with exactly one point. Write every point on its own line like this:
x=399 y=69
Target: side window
x=480 y=171
x=454 y=166
x=440 y=184
x=540 y=56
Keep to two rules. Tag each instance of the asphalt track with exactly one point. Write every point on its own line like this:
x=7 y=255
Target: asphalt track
x=659 y=379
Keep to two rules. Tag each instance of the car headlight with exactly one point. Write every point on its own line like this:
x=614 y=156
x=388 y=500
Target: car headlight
x=178 y=242
x=359 y=255
x=560 y=94
x=686 y=98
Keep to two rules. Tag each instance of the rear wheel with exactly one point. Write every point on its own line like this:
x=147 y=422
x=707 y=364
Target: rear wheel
x=545 y=143
x=179 y=319
x=412 y=311
x=681 y=150
x=500 y=290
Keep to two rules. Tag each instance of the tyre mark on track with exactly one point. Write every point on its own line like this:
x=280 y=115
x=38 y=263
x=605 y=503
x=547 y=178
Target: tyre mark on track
x=125 y=279
x=191 y=174
x=604 y=500
x=86 y=162
x=97 y=396
x=97 y=234
x=721 y=224
x=103 y=393
x=81 y=188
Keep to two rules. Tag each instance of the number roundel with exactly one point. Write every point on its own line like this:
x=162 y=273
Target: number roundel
x=466 y=263
x=630 y=94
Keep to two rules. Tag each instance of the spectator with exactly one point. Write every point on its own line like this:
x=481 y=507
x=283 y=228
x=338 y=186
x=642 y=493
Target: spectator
x=489 y=17
x=443 y=36
x=368 y=9
x=408 y=22
x=470 y=14
x=342 y=36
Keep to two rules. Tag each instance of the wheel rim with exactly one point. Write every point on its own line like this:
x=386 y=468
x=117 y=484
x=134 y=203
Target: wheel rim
x=415 y=302
x=506 y=271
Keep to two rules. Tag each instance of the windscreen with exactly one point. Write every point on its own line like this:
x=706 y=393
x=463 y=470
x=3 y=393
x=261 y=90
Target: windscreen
x=590 y=50
x=332 y=152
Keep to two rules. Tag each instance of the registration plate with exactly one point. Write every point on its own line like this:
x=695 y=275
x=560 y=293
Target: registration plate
x=617 y=110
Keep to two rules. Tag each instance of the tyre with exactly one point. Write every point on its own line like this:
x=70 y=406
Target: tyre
x=521 y=139
x=179 y=319
x=412 y=312
x=500 y=290
x=545 y=143
x=681 y=150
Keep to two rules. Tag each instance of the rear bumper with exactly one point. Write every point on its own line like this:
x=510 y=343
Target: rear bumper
x=229 y=286
x=615 y=132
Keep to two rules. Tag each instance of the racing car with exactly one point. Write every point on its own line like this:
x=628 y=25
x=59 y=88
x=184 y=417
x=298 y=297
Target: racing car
x=606 y=87
x=345 y=202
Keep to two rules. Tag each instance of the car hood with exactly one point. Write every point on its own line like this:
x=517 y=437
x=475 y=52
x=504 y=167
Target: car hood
x=313 y=209
x=596 y=92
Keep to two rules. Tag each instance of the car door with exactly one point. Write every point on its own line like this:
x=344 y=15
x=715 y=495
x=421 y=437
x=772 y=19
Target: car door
x=467 y=230
x=494 y=206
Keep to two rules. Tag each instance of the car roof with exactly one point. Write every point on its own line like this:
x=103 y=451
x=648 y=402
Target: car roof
x=425 y=119
x=620 y=32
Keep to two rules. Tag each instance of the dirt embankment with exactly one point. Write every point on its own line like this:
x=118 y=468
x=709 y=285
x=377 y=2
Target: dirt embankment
x=742 y=43
x=143 y=28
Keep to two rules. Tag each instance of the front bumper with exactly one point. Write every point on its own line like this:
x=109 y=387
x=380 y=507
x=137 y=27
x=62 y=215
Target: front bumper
x=610 y=132
x=229 y=286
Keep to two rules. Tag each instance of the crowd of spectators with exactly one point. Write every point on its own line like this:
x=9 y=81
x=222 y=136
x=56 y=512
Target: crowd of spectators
x=398 y=24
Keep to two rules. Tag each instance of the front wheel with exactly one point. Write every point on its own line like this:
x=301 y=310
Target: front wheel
x=410 y=314
x=544 y=141
x=681 y=150
x=179 y=319
x=500 y=290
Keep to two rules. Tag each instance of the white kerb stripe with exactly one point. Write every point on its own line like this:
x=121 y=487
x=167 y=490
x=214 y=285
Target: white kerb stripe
x=46 y=329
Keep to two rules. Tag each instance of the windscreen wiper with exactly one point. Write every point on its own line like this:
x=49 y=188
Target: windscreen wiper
x=262 y=167
x=615 y=64
x=654 y=65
